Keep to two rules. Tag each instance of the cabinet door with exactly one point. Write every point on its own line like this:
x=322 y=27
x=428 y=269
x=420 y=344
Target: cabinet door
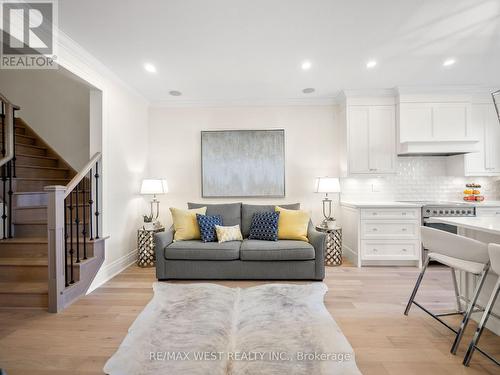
x=492 y=139
x=382 y=139
x=475 y=162
x=358 y=124
x=415 y=122
x=450 y=121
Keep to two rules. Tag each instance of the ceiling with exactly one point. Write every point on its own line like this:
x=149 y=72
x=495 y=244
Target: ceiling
x=237 y=50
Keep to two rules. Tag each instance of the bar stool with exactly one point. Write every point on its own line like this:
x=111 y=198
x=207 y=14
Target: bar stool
x=458 y=253
x=494 y=251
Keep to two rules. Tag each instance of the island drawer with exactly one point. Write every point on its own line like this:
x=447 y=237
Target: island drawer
x=390 y=250
x=390 y=213
x=389 y=229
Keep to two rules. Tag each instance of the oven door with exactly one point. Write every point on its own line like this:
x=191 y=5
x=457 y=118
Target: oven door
x=445 y=227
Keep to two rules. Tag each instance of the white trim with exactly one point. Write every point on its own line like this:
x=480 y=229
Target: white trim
x=110 y=270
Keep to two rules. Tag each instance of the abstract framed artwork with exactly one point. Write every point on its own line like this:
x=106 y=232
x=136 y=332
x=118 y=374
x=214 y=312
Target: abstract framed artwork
x=243 y=163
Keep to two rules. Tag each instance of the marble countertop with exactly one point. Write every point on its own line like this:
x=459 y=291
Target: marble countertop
x=486 y=203
x=482 y=224
x=356 y=204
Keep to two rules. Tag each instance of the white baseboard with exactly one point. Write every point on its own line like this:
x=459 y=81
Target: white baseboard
x=110 y=270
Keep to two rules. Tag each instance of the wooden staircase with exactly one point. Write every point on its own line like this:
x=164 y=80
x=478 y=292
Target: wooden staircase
x=24 y=273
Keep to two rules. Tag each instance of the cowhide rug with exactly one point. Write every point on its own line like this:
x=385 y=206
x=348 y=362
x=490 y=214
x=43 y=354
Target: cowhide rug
x=208 y=329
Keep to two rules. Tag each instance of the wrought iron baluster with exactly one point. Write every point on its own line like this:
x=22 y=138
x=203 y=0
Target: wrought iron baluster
x=71 y=250
x=84 y=231
x=91 y=202
x=14 y=144
x=4 y=203
x=77 y=223
x=66 y=282
x=9 y=202
x=97 y=200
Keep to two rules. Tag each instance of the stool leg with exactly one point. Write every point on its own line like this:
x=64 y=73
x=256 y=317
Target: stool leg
x=455 y=285
x=468 y=314
x=482 y=323
x=417 y=285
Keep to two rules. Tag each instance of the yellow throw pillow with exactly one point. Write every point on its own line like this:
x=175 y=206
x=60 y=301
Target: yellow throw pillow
x=292 y=224
x=185 y=223
x=225 y=234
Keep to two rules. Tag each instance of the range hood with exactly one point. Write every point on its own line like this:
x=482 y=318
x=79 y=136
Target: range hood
x=437 y=148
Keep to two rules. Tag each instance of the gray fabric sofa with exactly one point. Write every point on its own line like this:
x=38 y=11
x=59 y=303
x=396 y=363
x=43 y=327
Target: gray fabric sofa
x=247 y=259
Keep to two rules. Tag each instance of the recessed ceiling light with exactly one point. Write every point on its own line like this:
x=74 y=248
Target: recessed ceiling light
x=306 y=65
x=150 y=68
x=449 y=62
x=308 y=90
x=371 y=64
x=175 y=93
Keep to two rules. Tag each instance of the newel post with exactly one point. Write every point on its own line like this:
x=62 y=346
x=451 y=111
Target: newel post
x=55 y=226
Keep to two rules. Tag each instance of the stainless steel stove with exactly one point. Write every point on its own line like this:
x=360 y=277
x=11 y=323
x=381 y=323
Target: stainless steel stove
x=447 y=209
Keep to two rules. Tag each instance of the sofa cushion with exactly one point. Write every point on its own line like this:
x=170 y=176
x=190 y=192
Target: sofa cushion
x=279 y=250
x=207 y=227
x=230 y=212
x=247 y=211
x=264 y=226
x=197 y=250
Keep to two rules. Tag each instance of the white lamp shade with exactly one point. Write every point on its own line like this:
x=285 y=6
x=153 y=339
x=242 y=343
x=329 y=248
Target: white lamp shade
x=154 y=186
x=327 y=185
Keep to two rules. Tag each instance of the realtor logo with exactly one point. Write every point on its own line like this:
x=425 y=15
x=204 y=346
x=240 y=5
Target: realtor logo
x=28 y=34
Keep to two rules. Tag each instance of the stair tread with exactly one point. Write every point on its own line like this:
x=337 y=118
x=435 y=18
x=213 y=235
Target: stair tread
x=32 y=146
x=36 y=156
x=26 y=240
x=40 y=167
x=21 y=135
x=23 y=261
x=23 y=287
x=42 y=179
x=45 y=206
x=29 y=192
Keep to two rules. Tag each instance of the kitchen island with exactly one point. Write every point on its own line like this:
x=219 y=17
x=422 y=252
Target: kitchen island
x=485 y=229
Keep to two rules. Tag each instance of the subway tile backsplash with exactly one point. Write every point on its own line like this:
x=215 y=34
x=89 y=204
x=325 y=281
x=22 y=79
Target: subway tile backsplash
x=417 y=178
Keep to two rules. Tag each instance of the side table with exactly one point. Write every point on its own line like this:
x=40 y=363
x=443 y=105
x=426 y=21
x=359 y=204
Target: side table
x=146 y=246
x=333 y=256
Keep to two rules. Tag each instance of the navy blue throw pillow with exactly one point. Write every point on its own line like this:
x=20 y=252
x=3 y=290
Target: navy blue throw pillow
x=207 y=226
x=264 y=226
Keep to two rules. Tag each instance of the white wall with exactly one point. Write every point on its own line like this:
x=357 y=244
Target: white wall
x=174 y=145
x=56 y=106
x=125 y=150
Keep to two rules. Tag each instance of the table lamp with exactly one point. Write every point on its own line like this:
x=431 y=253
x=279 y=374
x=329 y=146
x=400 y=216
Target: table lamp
x=328 y=185
x=153 y=187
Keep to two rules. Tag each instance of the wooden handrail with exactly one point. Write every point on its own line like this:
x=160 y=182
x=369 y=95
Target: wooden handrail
x=82 y=174
x=7 y=101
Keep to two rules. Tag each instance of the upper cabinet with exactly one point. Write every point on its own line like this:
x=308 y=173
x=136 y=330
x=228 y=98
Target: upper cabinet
x=434 y=125
x=486 y=161
x=369 y=133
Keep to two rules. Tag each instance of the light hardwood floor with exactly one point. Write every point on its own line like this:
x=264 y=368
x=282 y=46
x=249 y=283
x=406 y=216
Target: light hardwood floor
x=367 y=303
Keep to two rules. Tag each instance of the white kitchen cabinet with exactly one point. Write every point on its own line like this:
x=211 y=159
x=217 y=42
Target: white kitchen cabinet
x=486 y=162
x=433 y=122
x=371 y=139
x=381 y=235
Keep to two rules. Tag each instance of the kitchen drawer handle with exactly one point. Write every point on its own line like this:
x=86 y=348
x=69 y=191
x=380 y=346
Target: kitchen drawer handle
x=375 y=250
x=404 y=229
x=374 y=229
x=403 y=213
x=374 y=214
x=404 y=250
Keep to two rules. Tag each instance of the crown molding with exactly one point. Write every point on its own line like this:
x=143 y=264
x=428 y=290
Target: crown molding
x=76 y=59
x=176 y=103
